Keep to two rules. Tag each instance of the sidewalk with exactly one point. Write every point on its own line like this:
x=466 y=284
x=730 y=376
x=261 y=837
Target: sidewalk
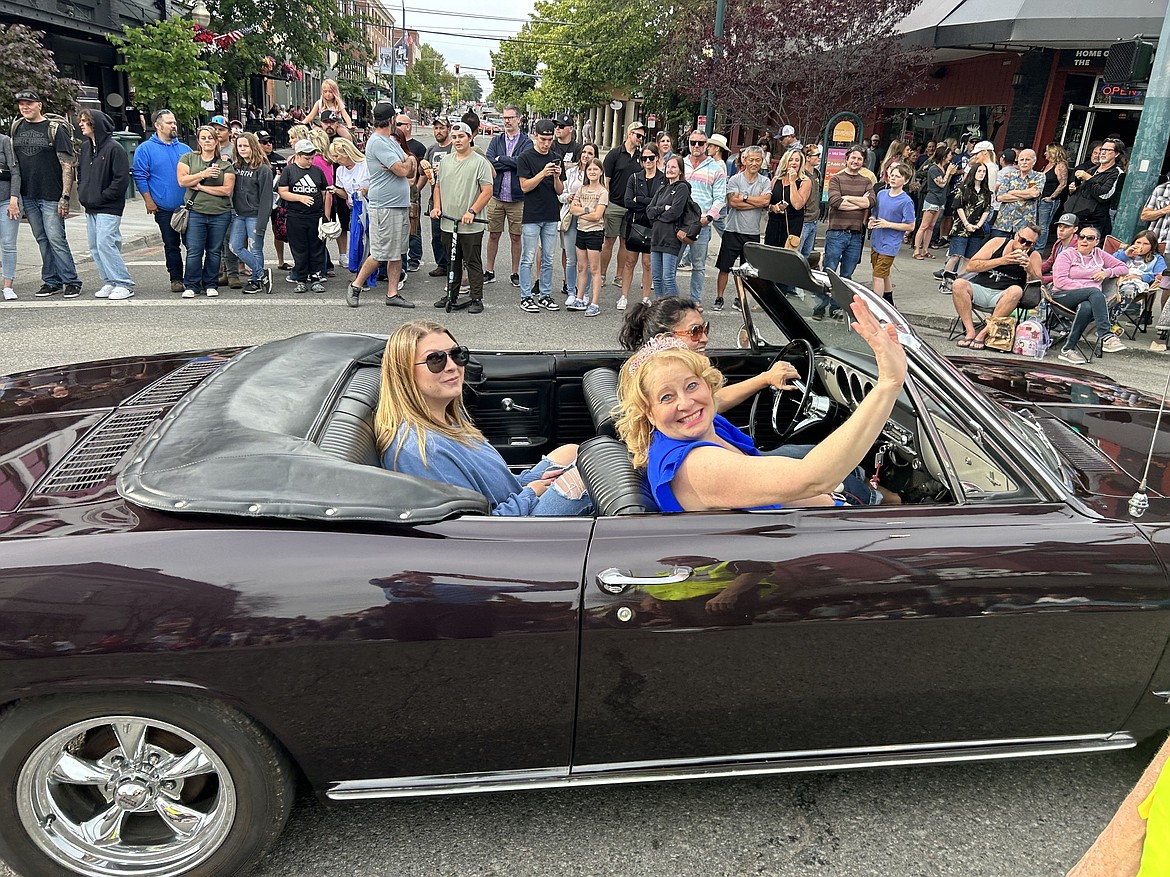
x=138 y=231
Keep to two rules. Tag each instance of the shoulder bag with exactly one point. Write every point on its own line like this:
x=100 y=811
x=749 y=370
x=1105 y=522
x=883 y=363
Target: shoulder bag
x=182 y=216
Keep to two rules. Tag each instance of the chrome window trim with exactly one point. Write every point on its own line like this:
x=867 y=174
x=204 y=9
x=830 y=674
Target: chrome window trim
x=802 y=761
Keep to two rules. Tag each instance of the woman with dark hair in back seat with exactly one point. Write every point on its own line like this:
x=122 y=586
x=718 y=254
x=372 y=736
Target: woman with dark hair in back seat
x=683 y=319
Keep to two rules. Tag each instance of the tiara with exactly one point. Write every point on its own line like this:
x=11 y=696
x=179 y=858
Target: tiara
x=654 y=345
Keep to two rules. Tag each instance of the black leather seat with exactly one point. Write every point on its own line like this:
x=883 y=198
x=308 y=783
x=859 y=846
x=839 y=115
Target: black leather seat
x=616 y=486
x=349 y=431
x=600 y=388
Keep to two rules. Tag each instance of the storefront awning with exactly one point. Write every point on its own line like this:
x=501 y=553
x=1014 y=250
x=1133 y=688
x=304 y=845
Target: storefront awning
x=1031 y=23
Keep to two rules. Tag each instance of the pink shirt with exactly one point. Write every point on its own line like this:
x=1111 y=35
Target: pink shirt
x=1071 y=270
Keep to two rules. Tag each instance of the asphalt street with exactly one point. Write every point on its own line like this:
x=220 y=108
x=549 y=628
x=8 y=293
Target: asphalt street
x=1029 y=818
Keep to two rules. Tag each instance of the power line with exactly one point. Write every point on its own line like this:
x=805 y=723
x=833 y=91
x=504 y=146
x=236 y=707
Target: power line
x=447 y=33
x=482 y=16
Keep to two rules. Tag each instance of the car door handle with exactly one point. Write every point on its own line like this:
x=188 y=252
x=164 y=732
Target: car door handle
x=509 y=405
x=616 y=581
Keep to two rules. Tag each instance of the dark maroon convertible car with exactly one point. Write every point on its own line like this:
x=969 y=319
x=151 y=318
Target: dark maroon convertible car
x=210 y=593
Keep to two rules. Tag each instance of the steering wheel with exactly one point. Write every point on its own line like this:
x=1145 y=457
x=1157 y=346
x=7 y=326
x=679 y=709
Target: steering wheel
x=810 y=408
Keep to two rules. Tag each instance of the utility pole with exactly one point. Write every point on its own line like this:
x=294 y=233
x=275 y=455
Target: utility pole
x=1149 y=148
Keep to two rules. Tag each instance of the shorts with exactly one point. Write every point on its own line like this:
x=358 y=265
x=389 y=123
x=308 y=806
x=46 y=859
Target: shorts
x=389 y=232
x=615 y=216
x=498 y=210
x=985 y=298
x=965 y=246
x=932 y=205
x=881 y=264
x=732 y=249
x=589 y=240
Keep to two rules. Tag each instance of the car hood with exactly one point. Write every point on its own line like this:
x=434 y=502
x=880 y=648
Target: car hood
x=1042 y=382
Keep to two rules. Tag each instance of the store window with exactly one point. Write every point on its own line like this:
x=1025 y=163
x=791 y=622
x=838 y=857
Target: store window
x=939 y=123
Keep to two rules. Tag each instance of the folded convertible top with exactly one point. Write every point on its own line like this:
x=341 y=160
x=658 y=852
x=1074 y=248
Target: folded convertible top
x=244 y=442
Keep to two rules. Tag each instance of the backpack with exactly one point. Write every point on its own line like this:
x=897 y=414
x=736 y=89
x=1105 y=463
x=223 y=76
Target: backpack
x=690 y=223
x=55 y=123
x=1031 y=339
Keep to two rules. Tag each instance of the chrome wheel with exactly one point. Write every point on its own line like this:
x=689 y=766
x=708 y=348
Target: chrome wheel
x=125 y=795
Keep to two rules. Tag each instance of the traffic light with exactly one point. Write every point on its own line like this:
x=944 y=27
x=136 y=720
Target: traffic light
x=491 y=73
x=456 y=69
x=1129 y=62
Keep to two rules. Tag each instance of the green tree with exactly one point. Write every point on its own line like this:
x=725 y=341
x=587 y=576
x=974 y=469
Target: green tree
x=165 y=66
x=26 y=63
x=586 y=49
x=298 y=32
x=469 y=88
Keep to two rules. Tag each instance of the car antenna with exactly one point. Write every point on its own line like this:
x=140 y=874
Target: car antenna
x=1139 y=502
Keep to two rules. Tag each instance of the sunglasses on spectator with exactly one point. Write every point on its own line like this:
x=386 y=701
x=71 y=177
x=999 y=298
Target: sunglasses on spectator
x=437 y=361
x=649 y=157
x=1024 y=242
x=697 y=142
x=1092 y=238
x=694 y=333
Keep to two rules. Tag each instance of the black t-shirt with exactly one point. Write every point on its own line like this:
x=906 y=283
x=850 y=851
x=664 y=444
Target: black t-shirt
x=540 y=204
x=416 y=149
x=40 y=168
x=566 y=153
x=619 y=167
x=304 y=181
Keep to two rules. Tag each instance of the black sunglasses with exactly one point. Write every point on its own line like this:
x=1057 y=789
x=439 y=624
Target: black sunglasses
x=1024 y=242
x=649 y=157
x=697 y=142
x=437 y=361
x=695 y=332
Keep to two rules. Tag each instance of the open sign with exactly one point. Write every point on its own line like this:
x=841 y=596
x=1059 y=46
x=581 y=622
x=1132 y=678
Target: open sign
x=1109 y=95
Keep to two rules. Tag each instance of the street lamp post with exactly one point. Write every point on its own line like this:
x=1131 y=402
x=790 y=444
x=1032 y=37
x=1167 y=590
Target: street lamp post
x=200 y=14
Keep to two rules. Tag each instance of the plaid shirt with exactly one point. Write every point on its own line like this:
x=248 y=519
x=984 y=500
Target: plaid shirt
x=1159 y=200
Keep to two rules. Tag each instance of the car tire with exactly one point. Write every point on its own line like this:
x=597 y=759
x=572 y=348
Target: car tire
x=138 y=784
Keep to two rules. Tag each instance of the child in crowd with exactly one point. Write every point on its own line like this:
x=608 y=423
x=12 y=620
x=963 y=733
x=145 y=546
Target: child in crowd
x=892 y=218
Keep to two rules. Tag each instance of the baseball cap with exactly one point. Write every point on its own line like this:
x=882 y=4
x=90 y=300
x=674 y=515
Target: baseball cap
x=384 y=112
x=544 y=127
x=564 y=120
x=635 y=126
x=1008 y=156
x=263 y=136
x=459 y=126
x=984 y=145
x=305 y=146
x=220 y=121
x=236 y=122
x=1069 y=219
x=27 y=94
x=328 y=116
x=787 y=131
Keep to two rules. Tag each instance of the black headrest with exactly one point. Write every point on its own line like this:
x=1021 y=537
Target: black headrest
x=616 y=486
x=600 y=388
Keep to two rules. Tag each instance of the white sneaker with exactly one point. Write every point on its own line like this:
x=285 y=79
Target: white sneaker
x=1112 y=344
x=211 y=293
x=121 y=293
x=683 y=268
x=1074 y=356
x=9 y=294
x=645 y=301
x=105 y=291
x=621 y=305
x=188 y=293
x=569 y=299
